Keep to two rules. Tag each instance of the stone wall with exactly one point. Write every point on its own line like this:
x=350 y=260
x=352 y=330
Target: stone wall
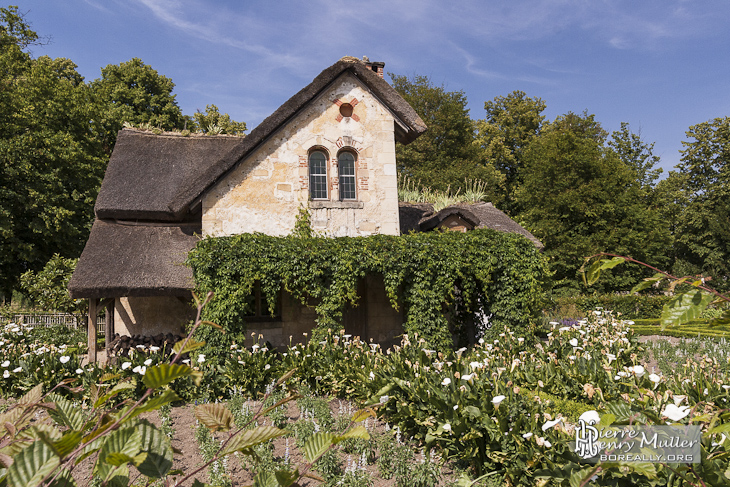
x=152 y=315
x=264 y=193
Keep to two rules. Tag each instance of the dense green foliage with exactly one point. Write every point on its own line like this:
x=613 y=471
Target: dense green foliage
x=47 y=289
x=56 y=135
x=446 y=155
x=579 y=198
x=628 y=306
x=703 y=233
x=498 y=272
x=512 y=121
x=51 y=162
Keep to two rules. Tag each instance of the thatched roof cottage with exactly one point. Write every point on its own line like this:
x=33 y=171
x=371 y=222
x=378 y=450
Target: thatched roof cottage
x=331 y=147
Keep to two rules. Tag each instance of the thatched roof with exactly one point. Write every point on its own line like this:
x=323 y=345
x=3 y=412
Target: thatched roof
x=408 y=125
x=123 y=259
x=421 y=217
x=146 y=172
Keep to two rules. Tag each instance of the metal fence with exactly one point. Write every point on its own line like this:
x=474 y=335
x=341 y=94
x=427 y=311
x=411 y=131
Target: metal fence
x=32 y=320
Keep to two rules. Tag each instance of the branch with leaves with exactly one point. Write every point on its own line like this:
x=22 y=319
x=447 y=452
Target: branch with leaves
x=686 y=305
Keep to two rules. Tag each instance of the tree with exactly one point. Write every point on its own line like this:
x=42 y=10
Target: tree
x=446 y=155
x=133 y=92
x=48 y=288
x=511 y=122
x=580 y=198
x=703 y=230
x=213 y=122
x=51 y=161
x=636 y=154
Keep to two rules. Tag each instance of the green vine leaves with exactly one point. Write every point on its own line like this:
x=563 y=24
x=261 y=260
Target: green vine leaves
x=440 y=279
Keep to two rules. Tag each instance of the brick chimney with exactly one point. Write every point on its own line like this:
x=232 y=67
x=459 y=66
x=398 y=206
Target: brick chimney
x=375 y=66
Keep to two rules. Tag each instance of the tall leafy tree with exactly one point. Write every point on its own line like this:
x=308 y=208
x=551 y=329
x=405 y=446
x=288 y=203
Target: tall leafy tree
x=636 y=154
x=136 y=93
x=446 y=155
x=703 y=230
x=51 y=160
x=580 y=198
x=511 y=122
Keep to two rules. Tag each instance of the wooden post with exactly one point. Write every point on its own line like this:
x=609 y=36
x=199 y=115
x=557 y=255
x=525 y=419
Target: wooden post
x=109 y=327
x=91 y=331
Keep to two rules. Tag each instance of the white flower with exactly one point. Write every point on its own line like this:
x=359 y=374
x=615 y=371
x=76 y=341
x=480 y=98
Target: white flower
x=148 y=361
x=475 y=365
x=126 y=365
x=384 y=399
x=19 y=369
x=6 y=364
x=140 y=346
x=706 y=392
x=726 y=387
x=587 y=356
x=79 y=371
x=574 y=342
x=142 y=370
x=611 y=357
x=154 y=349
x=638 y=370
x=655 y=378
x=447 y=427
x=550 y=424
x=136 y=369
x=467 y=377
x=547 y=444
x=446 y=381
x=590 y=417
x=64 y=359
x=372 y=376
x=6 y=374
x=564 y=328
x=267 y=367
x=520 y=340
x=675 y=413
x=187 y=361
x=497 y=400
x=456 y=406
x=527 y=435
x=201 y=358
x=481 y=341
x=597 y=313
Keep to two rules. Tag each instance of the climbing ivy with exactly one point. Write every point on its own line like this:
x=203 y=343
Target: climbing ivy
x=440 y=279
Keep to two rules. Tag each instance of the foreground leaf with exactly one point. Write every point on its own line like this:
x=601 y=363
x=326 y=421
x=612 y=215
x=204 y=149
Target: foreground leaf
x=317 y=445
x=162 y=374
x=215 y=417
x=158 y=461
x=32 y=465
x=685 y=307
x=251 y=438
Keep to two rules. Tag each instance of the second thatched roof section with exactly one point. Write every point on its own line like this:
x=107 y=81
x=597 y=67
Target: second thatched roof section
x=421 y=217
x=124 y=259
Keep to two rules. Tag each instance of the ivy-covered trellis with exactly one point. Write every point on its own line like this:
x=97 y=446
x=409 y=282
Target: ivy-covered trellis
x=426 y=273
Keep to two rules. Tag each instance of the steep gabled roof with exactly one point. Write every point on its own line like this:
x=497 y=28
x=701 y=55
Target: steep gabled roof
x=146 y=172
x=123 y=259
x=408 y=124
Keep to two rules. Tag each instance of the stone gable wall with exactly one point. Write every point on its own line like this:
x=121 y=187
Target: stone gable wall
x=264 y=193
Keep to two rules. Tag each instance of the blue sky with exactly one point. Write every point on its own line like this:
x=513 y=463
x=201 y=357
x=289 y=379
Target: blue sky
x=661 y=65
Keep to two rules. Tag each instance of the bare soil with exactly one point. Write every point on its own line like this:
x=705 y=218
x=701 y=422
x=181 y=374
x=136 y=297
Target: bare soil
x=189 y=458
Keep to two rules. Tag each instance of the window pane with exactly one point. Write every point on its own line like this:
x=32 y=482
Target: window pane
x=318 y=175
x=346 y=164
